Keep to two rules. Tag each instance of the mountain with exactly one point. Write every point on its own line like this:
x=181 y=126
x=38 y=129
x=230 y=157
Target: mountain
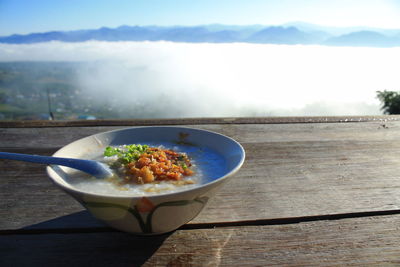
x=282 y=35
x=363 y=38
x=337 y=31
x=303 y=33
x=128 y=33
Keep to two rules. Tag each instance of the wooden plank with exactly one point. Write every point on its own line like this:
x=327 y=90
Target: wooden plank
x=250 y=133
x=368 y=241
x=290 y=171
x=30 y=199
x=196 y=121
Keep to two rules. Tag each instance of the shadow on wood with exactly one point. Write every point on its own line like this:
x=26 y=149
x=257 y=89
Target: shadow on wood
x=65 y=241
x=81 y=221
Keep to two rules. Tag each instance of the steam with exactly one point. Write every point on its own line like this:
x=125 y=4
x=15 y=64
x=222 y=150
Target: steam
x=165 y=79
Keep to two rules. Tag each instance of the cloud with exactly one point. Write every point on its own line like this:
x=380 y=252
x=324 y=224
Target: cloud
x=166 y=79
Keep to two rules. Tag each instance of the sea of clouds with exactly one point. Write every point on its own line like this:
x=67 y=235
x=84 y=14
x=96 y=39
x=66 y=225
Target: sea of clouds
x=233 y=79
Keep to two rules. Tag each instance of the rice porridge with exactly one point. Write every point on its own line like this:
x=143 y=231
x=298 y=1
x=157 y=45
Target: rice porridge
x=151 y=168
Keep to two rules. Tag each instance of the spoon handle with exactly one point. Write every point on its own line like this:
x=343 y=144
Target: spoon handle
x=36 y=158
x=89 y=166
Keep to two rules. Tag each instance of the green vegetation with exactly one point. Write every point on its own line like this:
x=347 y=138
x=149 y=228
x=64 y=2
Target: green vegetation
x=126 y=154
x=40 y=90
x=390 y=101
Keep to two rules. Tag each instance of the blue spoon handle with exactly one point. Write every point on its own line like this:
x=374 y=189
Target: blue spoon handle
x=92 y=167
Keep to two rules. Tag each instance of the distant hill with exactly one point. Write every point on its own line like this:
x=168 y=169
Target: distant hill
x=337 y=31
x=282 y=35
x=364 y=38
x=294 y=33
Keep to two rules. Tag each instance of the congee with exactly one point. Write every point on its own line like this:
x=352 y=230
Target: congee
x=148 y=169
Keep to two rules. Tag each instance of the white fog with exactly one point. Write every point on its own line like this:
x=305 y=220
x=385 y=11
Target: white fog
x=235 y=79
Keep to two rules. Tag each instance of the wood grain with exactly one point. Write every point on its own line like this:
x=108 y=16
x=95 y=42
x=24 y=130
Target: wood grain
x=244 y=133
x=291 y=170
x=372 y=241
x=312 y=192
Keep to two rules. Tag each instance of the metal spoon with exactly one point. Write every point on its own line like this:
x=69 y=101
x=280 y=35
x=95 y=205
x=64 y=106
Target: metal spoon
x=92 y=167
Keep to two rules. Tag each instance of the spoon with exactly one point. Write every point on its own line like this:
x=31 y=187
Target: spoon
x=92 y=167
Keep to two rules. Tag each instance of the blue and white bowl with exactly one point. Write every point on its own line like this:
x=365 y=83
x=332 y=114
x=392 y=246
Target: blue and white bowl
x=218 y=157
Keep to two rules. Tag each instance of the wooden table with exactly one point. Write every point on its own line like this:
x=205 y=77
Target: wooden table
x=312 y=191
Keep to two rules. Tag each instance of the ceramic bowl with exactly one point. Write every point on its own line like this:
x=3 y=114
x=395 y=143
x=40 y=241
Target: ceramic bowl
x=158 y=213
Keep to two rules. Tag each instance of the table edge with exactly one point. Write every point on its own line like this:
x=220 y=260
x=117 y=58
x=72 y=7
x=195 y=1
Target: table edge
x=195 y=121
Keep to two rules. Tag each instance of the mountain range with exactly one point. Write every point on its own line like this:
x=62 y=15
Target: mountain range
x=291 y=33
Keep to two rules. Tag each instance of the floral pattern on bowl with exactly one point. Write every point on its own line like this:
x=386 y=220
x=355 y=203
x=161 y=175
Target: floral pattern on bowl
x=144 y=209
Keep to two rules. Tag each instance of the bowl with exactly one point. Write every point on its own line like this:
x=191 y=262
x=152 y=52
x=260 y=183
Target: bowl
x=218 y=156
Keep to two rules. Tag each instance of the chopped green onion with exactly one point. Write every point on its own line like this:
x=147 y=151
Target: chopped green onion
x=127 y=153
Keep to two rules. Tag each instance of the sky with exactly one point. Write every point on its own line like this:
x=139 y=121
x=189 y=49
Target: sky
x=27 y=16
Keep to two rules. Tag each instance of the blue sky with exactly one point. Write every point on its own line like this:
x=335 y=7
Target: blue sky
x=26 y=16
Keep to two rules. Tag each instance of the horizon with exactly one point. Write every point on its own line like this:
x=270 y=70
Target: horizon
x=295 y=74
x=24 y=17
x=285 y=25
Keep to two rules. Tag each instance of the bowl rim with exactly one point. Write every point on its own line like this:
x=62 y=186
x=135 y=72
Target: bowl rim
x=70 y=188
